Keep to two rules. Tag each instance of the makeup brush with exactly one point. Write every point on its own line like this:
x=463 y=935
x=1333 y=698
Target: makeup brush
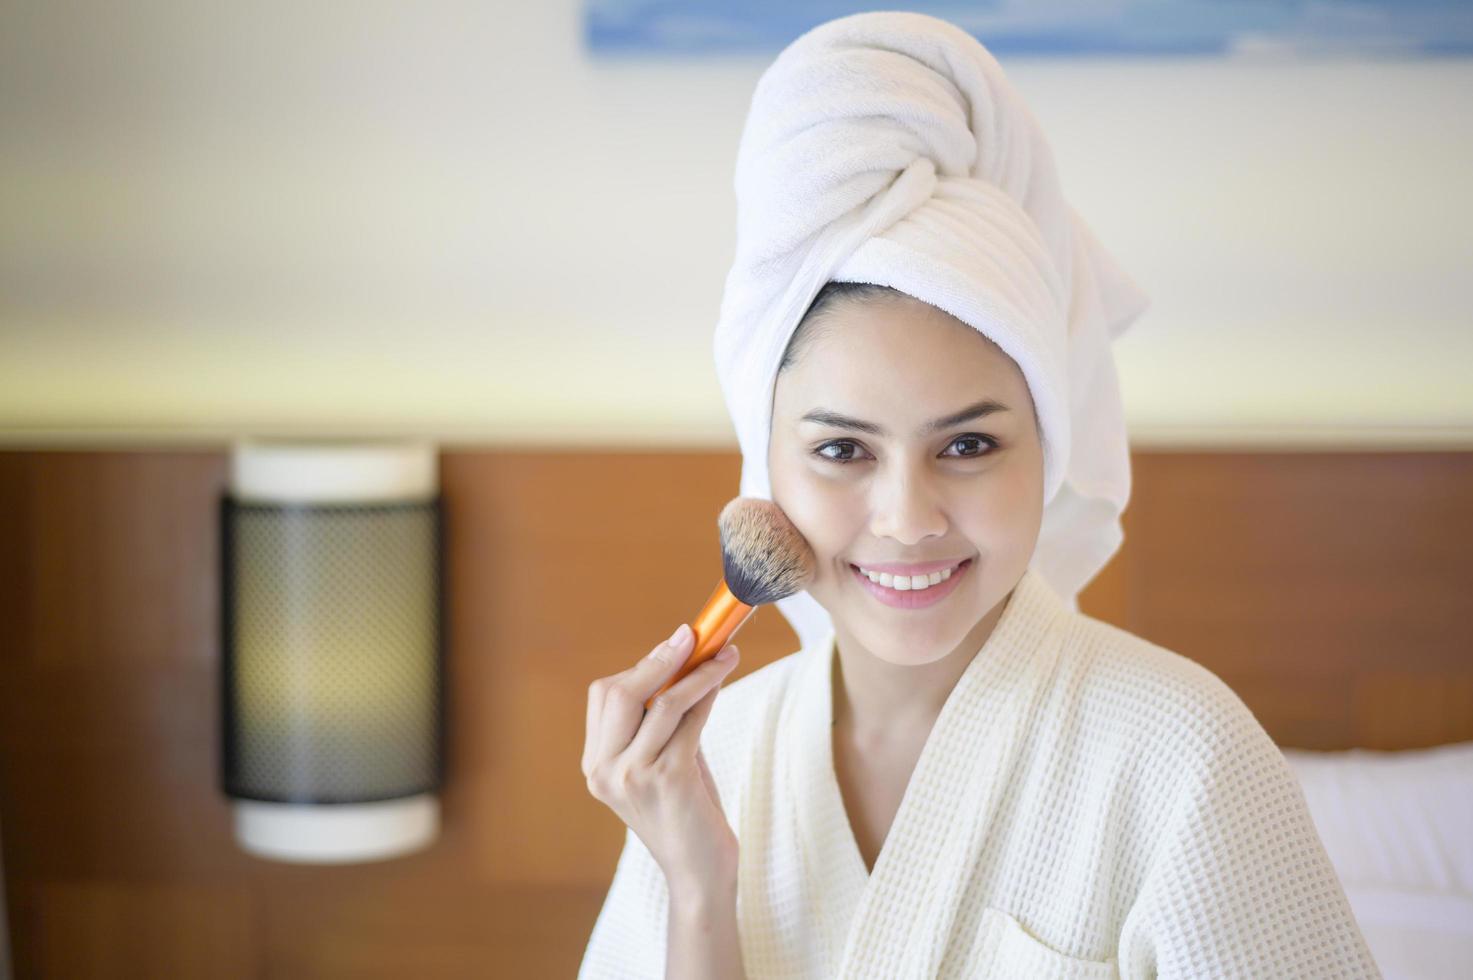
x=763 y=559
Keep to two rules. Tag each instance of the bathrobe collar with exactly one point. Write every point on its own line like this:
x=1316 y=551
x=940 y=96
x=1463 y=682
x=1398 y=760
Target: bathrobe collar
x=898 y=917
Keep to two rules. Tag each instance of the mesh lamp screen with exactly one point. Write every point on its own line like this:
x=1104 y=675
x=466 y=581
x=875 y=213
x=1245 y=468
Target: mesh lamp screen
x=332 y=649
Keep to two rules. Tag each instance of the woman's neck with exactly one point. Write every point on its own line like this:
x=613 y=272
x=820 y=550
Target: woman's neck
x=874 y=699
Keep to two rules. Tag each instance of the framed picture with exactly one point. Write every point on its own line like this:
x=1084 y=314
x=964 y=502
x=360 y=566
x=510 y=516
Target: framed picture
x=1210 y=28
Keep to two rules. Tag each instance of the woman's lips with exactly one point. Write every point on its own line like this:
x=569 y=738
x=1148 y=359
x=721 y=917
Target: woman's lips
x=913 y=598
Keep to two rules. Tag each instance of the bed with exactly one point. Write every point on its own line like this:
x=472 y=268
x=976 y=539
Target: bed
x=1399 y=829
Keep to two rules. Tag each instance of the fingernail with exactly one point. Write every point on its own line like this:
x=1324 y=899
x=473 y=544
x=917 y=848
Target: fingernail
x=678 y=637
x=727 y=654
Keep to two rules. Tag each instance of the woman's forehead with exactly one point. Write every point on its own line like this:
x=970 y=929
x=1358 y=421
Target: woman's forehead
x=875 y=361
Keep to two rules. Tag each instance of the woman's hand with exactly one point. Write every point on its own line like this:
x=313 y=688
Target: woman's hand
x=648 y=767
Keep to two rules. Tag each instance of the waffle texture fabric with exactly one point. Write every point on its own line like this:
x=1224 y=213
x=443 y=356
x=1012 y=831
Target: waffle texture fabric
x=1087 y=805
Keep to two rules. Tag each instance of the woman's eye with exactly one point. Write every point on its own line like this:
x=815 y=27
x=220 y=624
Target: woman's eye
x=978 y=439
x=819 y=452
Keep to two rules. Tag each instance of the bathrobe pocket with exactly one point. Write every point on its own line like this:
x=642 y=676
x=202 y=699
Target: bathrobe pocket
x=1007 y=951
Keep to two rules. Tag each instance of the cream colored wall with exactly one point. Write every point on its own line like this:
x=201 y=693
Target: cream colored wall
x=442 y=218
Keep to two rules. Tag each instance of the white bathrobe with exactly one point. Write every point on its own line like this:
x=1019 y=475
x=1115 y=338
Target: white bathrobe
x=1087 y=805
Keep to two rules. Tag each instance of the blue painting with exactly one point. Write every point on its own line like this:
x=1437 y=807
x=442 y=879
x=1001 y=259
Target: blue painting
x=1375 y=28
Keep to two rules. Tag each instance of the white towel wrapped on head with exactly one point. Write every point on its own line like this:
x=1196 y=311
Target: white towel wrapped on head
x=889 y=148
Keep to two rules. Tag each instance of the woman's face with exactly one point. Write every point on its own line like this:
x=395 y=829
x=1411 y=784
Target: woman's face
x=902 y=492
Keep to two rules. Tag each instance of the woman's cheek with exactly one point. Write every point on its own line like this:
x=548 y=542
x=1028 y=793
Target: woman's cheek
x=822 y=511
x=1018 y=509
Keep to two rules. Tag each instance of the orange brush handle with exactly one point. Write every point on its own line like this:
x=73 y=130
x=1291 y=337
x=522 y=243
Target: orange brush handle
x=722 y=616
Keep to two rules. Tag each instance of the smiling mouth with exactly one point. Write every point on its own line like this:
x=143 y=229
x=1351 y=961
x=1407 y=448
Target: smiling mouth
x=912 y=598
x=909 y=583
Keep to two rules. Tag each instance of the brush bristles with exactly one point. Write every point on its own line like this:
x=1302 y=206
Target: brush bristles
x=762 y=554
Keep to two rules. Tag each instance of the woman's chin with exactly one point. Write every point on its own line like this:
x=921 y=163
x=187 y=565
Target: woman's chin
x=906 y=645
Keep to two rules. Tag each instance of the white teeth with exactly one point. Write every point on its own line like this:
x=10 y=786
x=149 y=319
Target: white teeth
x=908 y=583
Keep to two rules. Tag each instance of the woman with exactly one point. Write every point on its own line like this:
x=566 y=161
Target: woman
x=958 y=774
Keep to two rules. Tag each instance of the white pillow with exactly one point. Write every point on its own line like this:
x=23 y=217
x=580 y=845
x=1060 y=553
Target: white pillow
x=1394 y=820
x=1413 y=936
x=1398 y=827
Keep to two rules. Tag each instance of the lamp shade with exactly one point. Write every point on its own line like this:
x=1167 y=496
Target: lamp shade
x=332 y=643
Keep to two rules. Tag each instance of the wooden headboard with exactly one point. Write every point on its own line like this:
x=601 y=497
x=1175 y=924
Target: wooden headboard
x=1329 y=589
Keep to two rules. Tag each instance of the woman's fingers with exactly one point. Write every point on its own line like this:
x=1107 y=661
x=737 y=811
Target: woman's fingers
x=624 y=694
x=661 y=787
x=678 y=706
x=685 y=743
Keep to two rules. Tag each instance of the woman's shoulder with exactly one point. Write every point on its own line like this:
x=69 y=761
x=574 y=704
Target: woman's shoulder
x=1167 y=704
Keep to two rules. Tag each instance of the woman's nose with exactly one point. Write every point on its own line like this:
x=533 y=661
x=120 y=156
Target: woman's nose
x=907 y=507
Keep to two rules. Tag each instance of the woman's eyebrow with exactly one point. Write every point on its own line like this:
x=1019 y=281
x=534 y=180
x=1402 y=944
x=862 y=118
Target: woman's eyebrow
x=824 y=416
